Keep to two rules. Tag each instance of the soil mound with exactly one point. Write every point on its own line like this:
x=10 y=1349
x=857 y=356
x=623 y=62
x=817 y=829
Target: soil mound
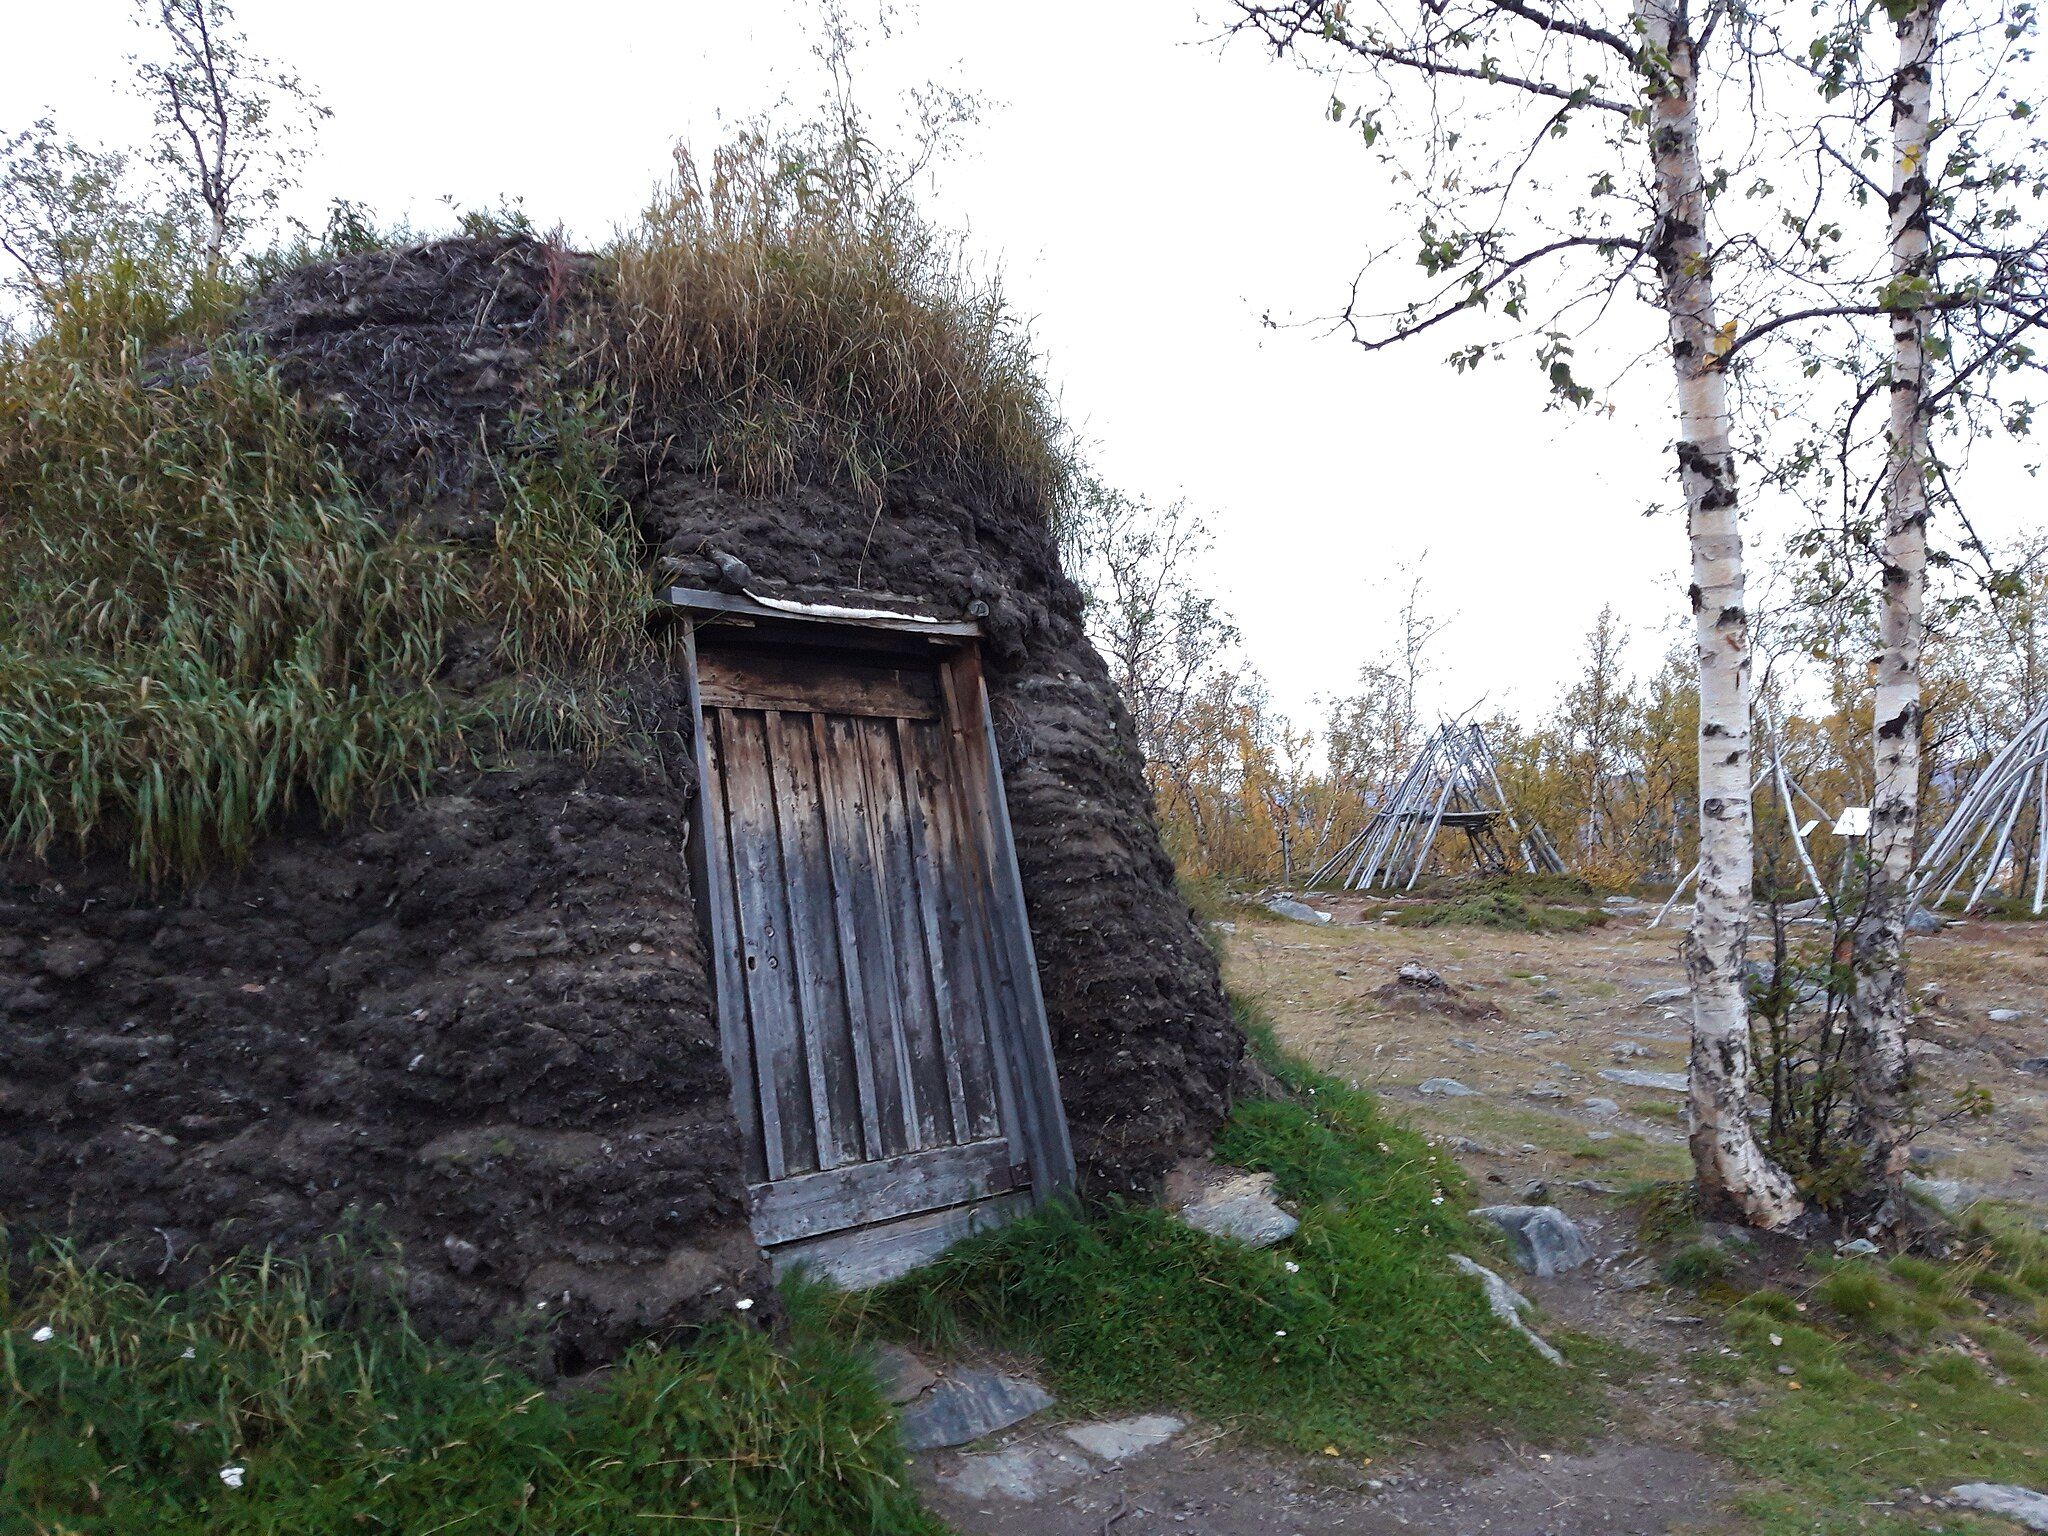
x=478 y=1025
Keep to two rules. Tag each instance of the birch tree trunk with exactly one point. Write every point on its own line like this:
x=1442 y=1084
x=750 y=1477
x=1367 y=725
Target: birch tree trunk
x=1877 y=1009
x=1728 y=1161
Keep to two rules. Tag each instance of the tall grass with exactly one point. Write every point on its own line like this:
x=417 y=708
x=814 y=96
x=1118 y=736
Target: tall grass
x=245 y=1406
x=208 y=623
x=801 y=320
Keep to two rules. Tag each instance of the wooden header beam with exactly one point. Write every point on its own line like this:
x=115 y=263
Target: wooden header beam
x=730 y=605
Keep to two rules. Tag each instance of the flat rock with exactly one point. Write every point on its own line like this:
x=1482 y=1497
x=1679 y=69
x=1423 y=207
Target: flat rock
x=1543 y=1239
x=1923 y=922
x=1242 y=1209
x=1634 y=1077
x=1121 y=1439
x=900 y=1374
x=1625 y=1049
x=2002 y=1016
x=1603 y=1107
x=1023 y=1473
x=1949 y=1195
x=1507 y=1304
x=967 y=1403
x=1447 y=1088
x=1665 y=997
x=2022 y=1506
x=1539 y=1036
x=1295 y=911
x=2038 y=1065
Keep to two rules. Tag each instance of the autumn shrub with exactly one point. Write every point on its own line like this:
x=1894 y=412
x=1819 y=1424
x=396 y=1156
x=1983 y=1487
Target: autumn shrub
x=796 y=316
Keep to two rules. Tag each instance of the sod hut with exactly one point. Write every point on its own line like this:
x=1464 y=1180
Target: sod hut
x=814 y=912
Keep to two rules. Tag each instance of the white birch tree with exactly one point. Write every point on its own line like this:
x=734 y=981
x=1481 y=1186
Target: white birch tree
x=1946 y=328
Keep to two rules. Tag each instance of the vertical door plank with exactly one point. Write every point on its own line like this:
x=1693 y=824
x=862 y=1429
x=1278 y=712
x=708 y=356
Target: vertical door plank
x=766 y=958
x=930 y=900
x=930 y=1100
x=1035 y=1070
x=711 y=887
x=842 y=814
x=982 y=929
x=814 y=938
x=754 y=1096
x=968 y=1047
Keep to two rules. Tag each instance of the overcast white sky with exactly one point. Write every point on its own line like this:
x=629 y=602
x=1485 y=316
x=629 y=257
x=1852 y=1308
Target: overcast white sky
x=1150 y=195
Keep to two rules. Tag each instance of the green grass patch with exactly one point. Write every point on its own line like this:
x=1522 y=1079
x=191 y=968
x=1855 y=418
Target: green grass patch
x=1502 y=910
x=1881 y=1377
x=131 y=1413
x=1371 y=1334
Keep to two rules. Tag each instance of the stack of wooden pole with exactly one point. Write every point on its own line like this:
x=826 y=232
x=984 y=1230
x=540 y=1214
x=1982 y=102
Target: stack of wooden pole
x=1453 y=784
x=1979 y=836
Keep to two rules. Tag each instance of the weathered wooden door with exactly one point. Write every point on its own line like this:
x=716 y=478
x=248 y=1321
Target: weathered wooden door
x=890 y=1063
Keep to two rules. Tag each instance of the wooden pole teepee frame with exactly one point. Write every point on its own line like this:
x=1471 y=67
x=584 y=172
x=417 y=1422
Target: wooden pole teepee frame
x=1453 y=784
x=1790 y=794
x=1978 y=833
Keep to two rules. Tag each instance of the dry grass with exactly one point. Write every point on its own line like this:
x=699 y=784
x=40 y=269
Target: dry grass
x=799 y=323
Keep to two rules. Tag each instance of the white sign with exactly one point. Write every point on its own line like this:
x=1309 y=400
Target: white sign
x=1853 y=822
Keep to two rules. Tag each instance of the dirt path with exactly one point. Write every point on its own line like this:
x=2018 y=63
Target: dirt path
x=1539 y=1019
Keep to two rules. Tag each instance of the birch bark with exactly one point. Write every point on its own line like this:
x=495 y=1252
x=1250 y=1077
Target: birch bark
x=1877 y=1009
x=1729 y=1162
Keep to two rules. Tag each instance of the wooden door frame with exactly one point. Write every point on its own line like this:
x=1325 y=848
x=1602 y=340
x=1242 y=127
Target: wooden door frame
x=1026 y=1070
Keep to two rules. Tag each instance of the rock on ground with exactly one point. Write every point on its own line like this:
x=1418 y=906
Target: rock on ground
x=968 y=1403
x=1543 y=1239
x=1241 y=1208
x=1507 y=1304
x=1633 y=1077
x=1026 y=1472
x=1295 y=911
x=1120 y=1439
x=2022 y=1506
x=1448 y=1088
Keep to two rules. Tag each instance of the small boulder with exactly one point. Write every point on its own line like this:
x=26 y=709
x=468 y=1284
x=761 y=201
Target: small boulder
x=1241 y=1208
x=1922 y=922
x=1543 y=1239
x=1413 y=975
x=2005 y=1015
x=1023 y=1473
x=1295 y=911
x=1507 y=1304
x=1624 y=1050
x=1858 y=1248
x=1549 y=995
x=1631 y=1077
x=1666 y=997
x=1447 y=1088
x=966 y=1404
x=901 y=1375
x=1603 y=1107
x=1945 y=1195
x=2038 y=1065
x=1117 y=1440
x=2008 y=1501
